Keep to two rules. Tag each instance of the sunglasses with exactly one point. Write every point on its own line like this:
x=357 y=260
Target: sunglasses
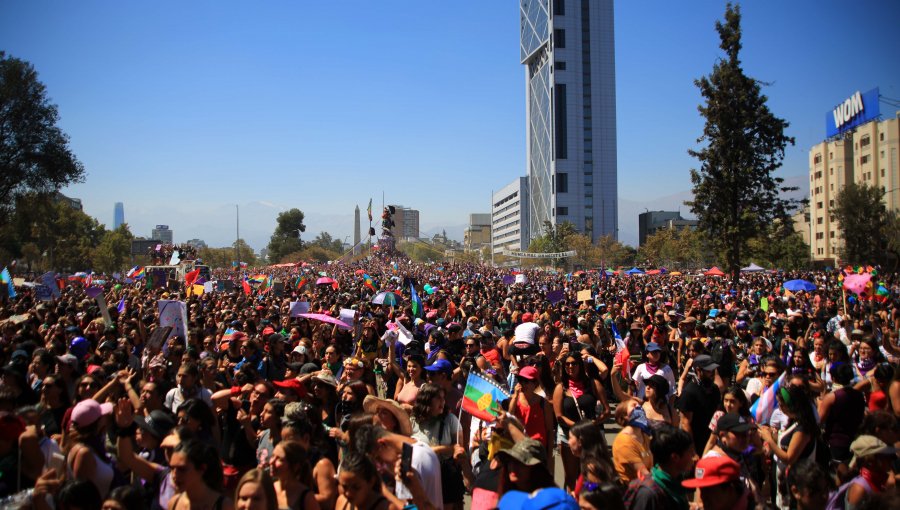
x=770 y=374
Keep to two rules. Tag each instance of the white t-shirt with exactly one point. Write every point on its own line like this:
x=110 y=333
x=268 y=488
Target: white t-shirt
x=526 y=332
x=174 y=398
x=426 y=465
x=641 y=374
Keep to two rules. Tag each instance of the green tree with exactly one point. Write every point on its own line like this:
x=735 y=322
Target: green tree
x=779 y=247
x=421 y=252
x=325 y=241
x=613 y=253
x=735 y=192
x=112 y=254
x=34 y=152
x=864 y=223
x=286 y=238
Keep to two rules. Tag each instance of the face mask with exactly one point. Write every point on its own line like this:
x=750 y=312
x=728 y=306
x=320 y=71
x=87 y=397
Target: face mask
x=639 y=419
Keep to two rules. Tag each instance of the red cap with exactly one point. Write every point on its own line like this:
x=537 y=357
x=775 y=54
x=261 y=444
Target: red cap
x=526 y=317
x=712 y=471
x=292 y=384
x=268 y=331
x=528 y=372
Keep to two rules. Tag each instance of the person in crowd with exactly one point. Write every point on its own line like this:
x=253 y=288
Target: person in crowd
x=87 y=458
x=655 y=365
x=574 y=399
x=289 y=465
x=255 y=491
x=841 y=412
x=298 y=426
x=631 y=448
x=187 y=387
x=719 y=482
x=432 y=424
x=810 y=485
x=409 y=381
x=534 y=411
x=360 y=485
x=699 y=400
x=522 y=467
x=197 y=475
x=673 y=454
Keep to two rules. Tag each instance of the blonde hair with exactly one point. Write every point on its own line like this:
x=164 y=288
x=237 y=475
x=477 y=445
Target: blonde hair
x=262 y=478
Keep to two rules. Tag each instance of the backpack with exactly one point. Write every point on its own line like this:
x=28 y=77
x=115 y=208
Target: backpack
x=837 y=499
x=721 y=354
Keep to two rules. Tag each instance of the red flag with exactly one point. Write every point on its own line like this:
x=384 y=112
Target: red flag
x=191 y=277
x=246 y=287
x=451 y=309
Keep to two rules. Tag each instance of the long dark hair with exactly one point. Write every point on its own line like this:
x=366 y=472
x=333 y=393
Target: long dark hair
x=797 y=402
x=738 y=393
x=359 y=464
x=427 y=392
x=564 y=377
x=591 y=437
x=203 y=455
x=297 y=457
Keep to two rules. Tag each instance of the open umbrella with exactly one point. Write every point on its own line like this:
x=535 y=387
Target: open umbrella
x=797 y=285
x=385 y=298
x=326 y=318
x=324 y=281
x=359 y=271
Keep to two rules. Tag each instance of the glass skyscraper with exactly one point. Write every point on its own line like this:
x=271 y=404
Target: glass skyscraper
x=568 y=49
x=118 y=215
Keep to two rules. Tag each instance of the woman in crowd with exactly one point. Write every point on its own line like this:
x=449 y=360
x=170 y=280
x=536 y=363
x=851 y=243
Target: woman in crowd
x=409 y=381
x=360 y=485
x=574 y=399
x=255 y=491
x=86 y=457
x=433 y=425
x=294 y=481
x=631 y=448
x=197 y=475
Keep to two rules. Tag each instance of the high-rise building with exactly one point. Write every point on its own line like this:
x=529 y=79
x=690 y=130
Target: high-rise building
x=866 y=153
x=652 y=221
x=163 y=233
x=406 y=222
x=478 y=233
x=509 y=217
x=199 y=244
x=567 y=47
x=118 y=215
x=356 y=232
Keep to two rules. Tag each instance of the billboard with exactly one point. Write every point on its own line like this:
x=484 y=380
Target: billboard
x=857 y=109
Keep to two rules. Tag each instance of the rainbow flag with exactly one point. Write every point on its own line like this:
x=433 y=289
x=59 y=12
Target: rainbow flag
x=417 y=308
x=257 y=278
x=762 y=409
x=482 y=397
x=370 y=210
x=138 y=274
x=301 y=282
x=370 y=283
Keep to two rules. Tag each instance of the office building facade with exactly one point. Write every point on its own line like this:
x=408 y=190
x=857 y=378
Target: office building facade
x=509 y=217
x=118 y=215
x=651 y=222
x=406 y=222
x=477 y=234
x=567 y=47
x=163 y=233
x=867 y=154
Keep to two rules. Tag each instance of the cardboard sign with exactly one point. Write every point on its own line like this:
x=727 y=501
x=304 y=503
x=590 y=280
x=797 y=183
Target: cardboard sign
x=226 y=285
x=44 y=293
x=520 y=278
x=209 y=287
x=104 y=311
x=174 y=314
x=348 y=316
x=49 y=279
x=584 y=295
x=298 y=307
x=158 y=338
x=278 y=288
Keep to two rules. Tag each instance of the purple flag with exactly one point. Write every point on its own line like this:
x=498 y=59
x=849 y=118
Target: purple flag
x=509 y=279
x=121 y=307
x=555 y=296
x=93 y=292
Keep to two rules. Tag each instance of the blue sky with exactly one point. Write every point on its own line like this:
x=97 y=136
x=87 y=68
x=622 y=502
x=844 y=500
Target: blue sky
x=183 y=109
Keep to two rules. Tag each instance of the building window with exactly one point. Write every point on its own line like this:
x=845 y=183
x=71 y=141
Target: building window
x=817 y=159
x=863 y=160
x=882 y=154
x=881 y=137
x=559 y=7
x=560 y=65
x=831 y=234
x=820 y=235
x=562 y=183
x=864 y=141
x=830 y=155
x=562 y=211
x=559 y=38
x=882 y=173
x=562 y=132
x=818 y=205
x=819 y=220
x=831 y=203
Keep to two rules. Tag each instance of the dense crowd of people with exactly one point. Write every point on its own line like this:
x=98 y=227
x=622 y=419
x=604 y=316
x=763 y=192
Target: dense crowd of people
x=719 y=397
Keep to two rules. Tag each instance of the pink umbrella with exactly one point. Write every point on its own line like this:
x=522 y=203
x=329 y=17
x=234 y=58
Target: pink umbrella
x=856 y=283
x=324 y=281
x=325 y=318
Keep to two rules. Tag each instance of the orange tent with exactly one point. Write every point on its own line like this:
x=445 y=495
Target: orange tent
x=715 y=271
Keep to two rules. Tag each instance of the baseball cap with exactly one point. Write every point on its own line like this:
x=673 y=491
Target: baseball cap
x=704 y=362
x=440 y=365
x=292 y=384
x=89 y=411
x=711 y=471
x=550 y=498
x=733 y=422
x=158 y=423
x=529 y=452
x=868 y=446
x=528 y=372
x=79 y=347
x=67 y=359
x=526 y=317
x=653 y=346
x=300 y=349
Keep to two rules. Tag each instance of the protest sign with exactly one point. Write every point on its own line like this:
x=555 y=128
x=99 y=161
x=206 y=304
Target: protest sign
x=43 y=292
x=348 y=316
x=209 y=287
x=104 y=311
x=158 y=338
x=584 y=295
x=278 y=288
x=174 y=314
x=520 y=278
x=49 y=279
x=298 y=307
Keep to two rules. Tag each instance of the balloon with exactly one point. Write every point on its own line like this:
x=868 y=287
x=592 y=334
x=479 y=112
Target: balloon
x=118 y=286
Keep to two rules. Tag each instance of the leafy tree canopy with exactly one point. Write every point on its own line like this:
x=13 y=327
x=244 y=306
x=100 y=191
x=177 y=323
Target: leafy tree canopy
x=286 y=238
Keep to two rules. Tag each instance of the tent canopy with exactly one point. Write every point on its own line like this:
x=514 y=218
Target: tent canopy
x=715 y=271
x=752 y=268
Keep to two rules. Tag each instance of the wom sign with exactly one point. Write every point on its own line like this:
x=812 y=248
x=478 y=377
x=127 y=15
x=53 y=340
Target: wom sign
x=855 y=110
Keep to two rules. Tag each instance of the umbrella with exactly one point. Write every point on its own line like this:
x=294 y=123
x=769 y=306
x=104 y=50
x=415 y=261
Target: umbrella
x=359 y=271
x=715 y=271
x=578 y=273
x=385 y=298
x=653 y=271
x=324 y=281
x=675 y=273
x=797 y=285
x=326 y=318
